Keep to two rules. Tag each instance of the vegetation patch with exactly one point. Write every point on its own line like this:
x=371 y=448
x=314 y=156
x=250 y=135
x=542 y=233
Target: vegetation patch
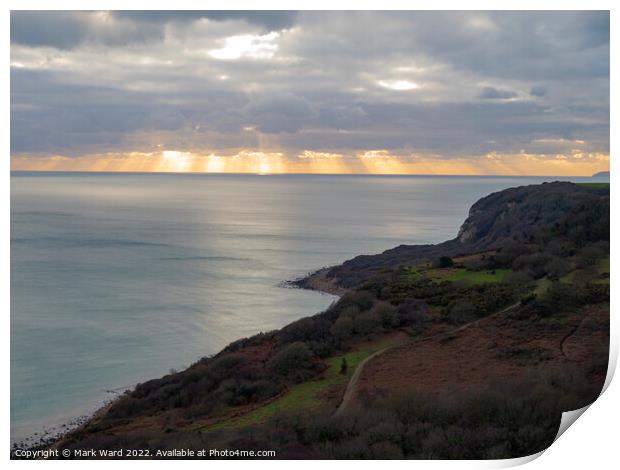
x=308 y=395
x=506 y=420
x=457 y=273
x=462 y=274
x=597 y=274
x=603 y=271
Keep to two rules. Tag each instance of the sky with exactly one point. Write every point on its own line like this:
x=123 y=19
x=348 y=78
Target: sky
x=505 y=93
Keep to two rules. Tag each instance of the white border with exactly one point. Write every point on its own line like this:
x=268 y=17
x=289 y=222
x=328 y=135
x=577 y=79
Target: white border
x=591 y=443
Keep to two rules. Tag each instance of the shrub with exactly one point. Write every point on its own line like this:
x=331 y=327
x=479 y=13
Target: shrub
x=590 y=255
x=225 y=365
x=535 y=264
x=506 y=255
x=557 y=267
x=367 y=323
x=343 y=327
x=413 y=313
x=461 y=311
x=560 y=297
x=386 y=313
x=444 y=262
x=507 y=420
x=518 y=277
x=295 y=362
x=360 y=298
x=315 y=328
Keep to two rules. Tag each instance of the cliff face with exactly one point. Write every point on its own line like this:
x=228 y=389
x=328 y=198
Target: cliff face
x=513 y=214
x=517 y=213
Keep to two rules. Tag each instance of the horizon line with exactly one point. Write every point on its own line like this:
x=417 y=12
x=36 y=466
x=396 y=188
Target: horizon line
x=307 y=174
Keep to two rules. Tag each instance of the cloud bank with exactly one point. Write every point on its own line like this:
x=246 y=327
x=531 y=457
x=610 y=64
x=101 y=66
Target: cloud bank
x=486 y=92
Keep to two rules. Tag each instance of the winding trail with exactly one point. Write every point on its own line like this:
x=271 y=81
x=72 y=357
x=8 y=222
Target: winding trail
x=568 y=335
x=350 y=390
x=348 y=393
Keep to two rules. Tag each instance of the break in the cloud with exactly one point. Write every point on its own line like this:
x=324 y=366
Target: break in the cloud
x=402 y=92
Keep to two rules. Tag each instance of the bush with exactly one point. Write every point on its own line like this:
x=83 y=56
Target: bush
x=355 y=321
x=534 y=264
x=518 y=277
x=315 y=328
x=557 y=267
x=367 y=323
x=560 y=297
x=224 y=366
x=343 y=327
x=461 y=311
x=386 y=313
x=590 y=255
x=444 y=262
x=360 y=298
x=413 y=313
x=561 y=247
x=295 y=362
x=506 y=420
x=506 y=255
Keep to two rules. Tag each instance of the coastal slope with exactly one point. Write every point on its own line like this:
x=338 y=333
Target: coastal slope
x=471 y=348
x=514 y=214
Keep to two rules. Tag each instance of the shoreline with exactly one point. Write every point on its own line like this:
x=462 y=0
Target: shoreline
x=319 y=282
x=52 y=437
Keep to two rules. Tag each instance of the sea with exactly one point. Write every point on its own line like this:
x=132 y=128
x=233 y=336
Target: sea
x=120 y=278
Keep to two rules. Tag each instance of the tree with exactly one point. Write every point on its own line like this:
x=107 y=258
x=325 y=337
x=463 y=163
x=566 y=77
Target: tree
x=445 y=262
x=294 y=362
x=343 y=327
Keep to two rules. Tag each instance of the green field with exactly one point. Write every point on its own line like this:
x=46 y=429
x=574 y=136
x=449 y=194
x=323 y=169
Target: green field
x=307 y=394
x=457 y=274
x=462 y=274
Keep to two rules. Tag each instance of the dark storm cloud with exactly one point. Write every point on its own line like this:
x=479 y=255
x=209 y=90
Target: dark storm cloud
x=520 y=44
x=279 y=113
x=490 y=93
x=65 y=29
x=270 y=20
x=67 y=117
x=47 y=28
x=476 y=127
x=344 y=116
x=445 y=82
x=537 y=90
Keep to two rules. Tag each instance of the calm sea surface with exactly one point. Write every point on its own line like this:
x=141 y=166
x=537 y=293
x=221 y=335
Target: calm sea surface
x=118 y=278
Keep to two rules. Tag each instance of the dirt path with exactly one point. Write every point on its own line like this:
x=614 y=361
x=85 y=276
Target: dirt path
x=348 y=393
x=350 y=390
x=567 y=336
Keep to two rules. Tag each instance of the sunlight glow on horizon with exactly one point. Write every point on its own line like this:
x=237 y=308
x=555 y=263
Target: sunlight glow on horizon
x=366 y=162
